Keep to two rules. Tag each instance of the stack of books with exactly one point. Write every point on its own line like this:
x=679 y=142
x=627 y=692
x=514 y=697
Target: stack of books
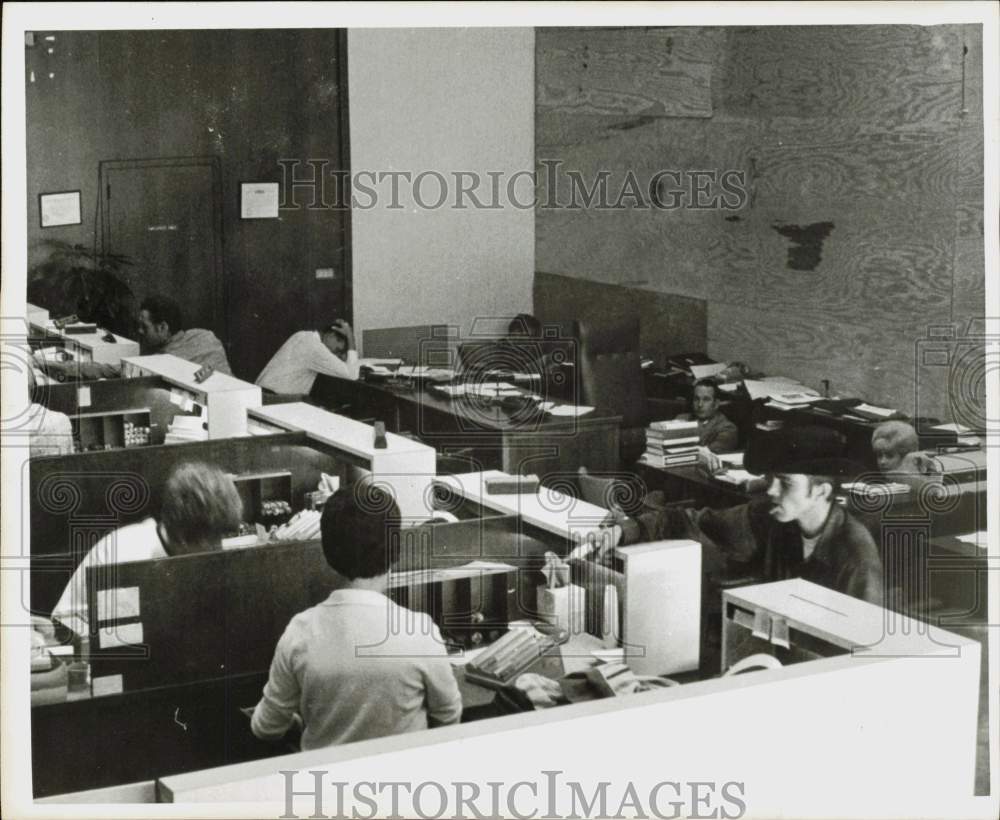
x=671 y=443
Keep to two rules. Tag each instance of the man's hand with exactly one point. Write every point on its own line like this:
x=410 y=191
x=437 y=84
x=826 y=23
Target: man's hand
x=344 y=329
x=709 y=461
x=203 y=373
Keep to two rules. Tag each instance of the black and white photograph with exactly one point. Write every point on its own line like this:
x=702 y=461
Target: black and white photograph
x=521 y=410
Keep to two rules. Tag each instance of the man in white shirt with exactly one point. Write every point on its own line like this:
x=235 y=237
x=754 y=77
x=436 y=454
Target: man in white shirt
x=294 y=367
x=357 y=665
x=200 y=507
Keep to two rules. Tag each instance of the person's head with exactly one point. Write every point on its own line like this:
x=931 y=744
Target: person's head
x=891 y=441
x=360 y=531
x=803 y=467
x=200 y=507
x=524 y=326
x=159 y=319
x=705 y=400
x=334 y=340
x=800 y=497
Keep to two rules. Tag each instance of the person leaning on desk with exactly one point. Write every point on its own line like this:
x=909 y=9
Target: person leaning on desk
x=160 y=328
x=716 y=433
x=357 y=665
x=797 y=531
x=293 y=369
x=200 y=507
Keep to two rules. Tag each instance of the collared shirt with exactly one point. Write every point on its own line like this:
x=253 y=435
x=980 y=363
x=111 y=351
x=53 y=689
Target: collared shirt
x=199 y=346
x=135 y=542
x=718 y=433
x=50 y=433
x=357 y=666
x=294 y=367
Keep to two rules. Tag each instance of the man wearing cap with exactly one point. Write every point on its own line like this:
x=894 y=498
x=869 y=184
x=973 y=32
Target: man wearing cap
x=797 y=531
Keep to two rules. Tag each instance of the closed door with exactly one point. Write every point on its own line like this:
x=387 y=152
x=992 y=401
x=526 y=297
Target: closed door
x=165 y=215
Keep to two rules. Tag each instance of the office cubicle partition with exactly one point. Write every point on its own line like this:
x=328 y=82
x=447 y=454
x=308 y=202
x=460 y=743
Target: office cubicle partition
x=77 y=499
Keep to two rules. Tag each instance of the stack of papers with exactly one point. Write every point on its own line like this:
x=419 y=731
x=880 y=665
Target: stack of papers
x=737 y=477
x=425 y=372
x=704 y=371
x=871 y=412
x=186 y=428
x=791 y=401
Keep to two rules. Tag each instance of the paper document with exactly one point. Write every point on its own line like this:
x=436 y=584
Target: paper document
x=570 y=410
x=703 y=371
x=977 y=539
x=380 y=362
x=882 y=412
x=952 y=428
x=731 y=459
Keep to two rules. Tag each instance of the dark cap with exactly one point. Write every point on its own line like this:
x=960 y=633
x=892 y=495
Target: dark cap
x=809 y=450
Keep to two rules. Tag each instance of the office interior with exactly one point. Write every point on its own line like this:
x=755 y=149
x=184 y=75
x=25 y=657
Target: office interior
x=850 y=242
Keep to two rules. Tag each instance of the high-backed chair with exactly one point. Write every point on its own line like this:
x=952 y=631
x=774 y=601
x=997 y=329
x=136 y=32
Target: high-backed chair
x=609 y=374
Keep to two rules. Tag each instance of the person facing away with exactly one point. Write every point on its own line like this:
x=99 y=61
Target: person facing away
x=160 y=329
x=716 y=433
x=329 y=350
x=201 y=506
x=357 y=665
x=797 y=530
x=50 y=433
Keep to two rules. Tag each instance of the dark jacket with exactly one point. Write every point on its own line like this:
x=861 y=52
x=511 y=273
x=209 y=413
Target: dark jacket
x=718 y=434
x=746 y=540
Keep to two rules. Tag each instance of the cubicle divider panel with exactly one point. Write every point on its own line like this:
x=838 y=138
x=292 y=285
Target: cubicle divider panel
x=213 y=614
x=110 y=396
x=77 y=499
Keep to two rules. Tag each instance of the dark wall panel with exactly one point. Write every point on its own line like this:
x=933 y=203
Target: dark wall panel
x=248 y=98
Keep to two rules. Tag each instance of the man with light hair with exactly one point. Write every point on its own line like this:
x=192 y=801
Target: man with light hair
x=200 y=507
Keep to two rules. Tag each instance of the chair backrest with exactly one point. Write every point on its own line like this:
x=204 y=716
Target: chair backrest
x=610 y=370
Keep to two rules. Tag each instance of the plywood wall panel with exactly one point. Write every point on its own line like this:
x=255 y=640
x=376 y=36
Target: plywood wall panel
x=824 y=160
x=654 y=72
x=888 y=74
x=969 y=291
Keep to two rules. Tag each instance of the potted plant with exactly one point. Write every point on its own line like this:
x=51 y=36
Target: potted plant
x=75 y=279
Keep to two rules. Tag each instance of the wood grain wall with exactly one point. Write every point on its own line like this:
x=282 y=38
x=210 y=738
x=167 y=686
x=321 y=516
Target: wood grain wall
x=248 y=97
x=862 y=221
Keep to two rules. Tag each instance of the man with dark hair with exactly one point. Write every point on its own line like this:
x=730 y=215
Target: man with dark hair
x=357 y=665
x=293 y=369
x=160 y=328
x=200 y=507
x=798 y=530
x=716 y=433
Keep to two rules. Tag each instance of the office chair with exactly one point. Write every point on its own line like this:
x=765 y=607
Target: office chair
x=610 y=378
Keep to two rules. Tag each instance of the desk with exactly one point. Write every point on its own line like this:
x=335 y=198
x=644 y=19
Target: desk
x=405 y=466
x=224 y=397
x=485 y=436
x=690 y=482
x=84 y=347
x=571 y=520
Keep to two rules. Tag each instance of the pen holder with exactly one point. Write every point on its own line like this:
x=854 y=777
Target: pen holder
x=563 y=607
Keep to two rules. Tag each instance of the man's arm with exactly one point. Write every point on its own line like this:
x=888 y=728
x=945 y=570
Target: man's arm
x=79 y=371
x=323 y=360
x=275 y=713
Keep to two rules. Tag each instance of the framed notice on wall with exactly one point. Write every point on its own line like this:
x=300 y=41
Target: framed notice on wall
x=259 y=200
x=59 y=208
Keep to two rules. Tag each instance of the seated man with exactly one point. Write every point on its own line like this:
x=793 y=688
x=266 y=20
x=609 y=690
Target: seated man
x=798 y=530
x=358 y=665
x=716 y=433
x=160 y=328
x=892 y=442
x=294 y=367
x=200 y=507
